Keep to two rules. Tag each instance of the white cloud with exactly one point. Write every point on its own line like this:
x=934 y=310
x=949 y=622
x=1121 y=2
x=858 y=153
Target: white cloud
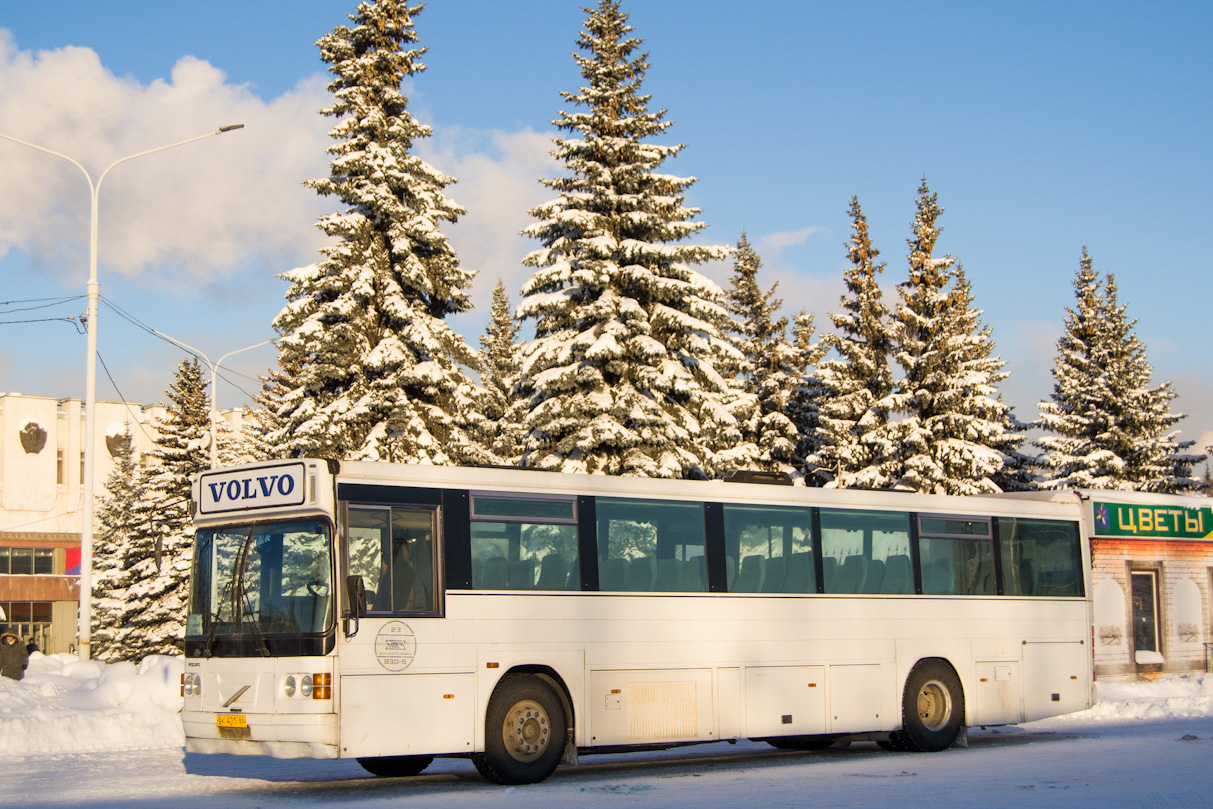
x=198 y=211
x=770 y=245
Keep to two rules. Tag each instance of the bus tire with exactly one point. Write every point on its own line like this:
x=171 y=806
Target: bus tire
x=524 y=731
x=395 y=766
x=932 y=708
x=893 y=744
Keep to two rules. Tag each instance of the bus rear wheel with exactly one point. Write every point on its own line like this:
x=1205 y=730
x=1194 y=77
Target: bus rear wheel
x=524 y=732
x=395 y=766
x=932 y=708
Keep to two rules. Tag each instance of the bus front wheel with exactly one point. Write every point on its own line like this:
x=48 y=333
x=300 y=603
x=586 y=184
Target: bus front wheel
x=932 y=708
x=524 y=732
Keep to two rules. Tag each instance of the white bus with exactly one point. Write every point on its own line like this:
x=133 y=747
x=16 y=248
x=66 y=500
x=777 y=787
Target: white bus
x=395 y=613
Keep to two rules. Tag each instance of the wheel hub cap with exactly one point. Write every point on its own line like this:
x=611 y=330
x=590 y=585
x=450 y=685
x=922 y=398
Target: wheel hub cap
x=933 y=705
x=527 y=730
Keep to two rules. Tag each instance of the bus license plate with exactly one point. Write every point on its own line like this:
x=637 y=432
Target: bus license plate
x=231 y=721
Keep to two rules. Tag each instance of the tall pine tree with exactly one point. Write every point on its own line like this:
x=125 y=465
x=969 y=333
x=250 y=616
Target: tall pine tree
x=808 y=397
x=158 y=557
x=122 y=517
x=1106 y=427
x=773 y=369
x=859 y=381
x=499 y=366
x=629 y=369
x=368 y=366
x=955 y=435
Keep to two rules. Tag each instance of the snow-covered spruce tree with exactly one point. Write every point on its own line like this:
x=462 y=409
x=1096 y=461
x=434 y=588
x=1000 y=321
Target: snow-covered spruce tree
x=158 y=560
x=809 y=394
x=499 y=364
x=773 y=368
x=122 y=520
x=859 y=380
x=954 y=434
x=369 y=367
x=1106 y=428
x=237 y=443
x=629 y=370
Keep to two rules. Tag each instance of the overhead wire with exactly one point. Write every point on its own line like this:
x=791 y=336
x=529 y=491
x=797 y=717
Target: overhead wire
x=226 y=377
x=42 y=303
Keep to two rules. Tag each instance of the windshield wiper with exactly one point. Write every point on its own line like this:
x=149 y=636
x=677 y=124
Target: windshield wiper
x=214 y=614
x=258 y=638
x=240 y=595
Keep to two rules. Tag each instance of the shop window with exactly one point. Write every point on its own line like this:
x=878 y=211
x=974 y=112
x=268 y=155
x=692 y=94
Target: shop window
x=1144 y=585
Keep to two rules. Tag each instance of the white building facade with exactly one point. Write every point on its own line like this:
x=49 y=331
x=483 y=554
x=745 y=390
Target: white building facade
x=41 y=494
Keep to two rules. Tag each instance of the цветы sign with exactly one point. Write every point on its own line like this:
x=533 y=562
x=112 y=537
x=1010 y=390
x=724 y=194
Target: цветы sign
x=1125 y=520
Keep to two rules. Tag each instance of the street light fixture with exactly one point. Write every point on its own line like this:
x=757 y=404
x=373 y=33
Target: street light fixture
x=90 y=377
x=214 y=366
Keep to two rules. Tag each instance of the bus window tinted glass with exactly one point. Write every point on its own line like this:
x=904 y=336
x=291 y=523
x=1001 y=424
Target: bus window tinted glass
x=866 y=551
x=524 y=556
x=957 y=566
x=412 y=563
x=524 y=543
x=393 y=550
x=768 y=549
x=956 y=554
x=368 y=532
x=650 y=545
x=1040 y=558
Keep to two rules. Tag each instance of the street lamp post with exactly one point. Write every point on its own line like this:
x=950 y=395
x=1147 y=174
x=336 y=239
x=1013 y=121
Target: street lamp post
x=90 y=377
x=214 y=366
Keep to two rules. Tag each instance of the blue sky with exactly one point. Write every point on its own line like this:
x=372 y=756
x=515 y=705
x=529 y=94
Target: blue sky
x=1042 y=126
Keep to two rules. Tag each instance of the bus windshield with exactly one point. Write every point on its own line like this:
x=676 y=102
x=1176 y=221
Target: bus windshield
x=267 y=579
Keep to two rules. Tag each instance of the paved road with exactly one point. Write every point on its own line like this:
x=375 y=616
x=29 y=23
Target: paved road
x=1057 y=763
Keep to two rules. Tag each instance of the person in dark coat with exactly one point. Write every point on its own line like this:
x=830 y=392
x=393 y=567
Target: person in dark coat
x=12 y=655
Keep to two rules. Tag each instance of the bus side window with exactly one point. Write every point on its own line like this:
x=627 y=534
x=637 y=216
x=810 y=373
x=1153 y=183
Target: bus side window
x=650 y=546
x=1040 y=558
x=524 y=543
x=766 y=540
x=367 y=537
x=412 y=560
x=866 y=551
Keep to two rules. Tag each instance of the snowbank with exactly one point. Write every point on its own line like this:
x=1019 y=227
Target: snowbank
x=68 y=705
x=1170 y=697
x=65 y=705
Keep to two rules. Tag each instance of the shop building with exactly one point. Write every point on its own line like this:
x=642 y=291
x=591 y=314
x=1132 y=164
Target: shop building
x=1152 y=575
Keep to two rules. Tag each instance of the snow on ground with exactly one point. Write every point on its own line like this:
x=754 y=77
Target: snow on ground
x=78 y=733
x=68 y=705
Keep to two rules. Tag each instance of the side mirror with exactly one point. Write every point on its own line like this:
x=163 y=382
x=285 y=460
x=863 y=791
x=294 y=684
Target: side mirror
x=355 y=589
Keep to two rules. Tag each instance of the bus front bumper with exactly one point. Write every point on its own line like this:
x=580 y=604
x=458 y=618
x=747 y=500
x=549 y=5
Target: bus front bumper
x=279 y=736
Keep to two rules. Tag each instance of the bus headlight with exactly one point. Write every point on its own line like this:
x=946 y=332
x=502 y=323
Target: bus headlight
x=191 y=685
x=308 y=686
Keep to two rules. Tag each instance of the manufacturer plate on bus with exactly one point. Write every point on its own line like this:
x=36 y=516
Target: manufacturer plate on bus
x=231 y=721
x=252 y=489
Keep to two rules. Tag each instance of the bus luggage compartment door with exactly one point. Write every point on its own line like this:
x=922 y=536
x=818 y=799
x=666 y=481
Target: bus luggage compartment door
x=407 y=714
x=1056 y=678
x=785 y=701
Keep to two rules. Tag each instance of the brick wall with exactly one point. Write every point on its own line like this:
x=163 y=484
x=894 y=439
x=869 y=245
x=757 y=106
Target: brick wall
x=1182 y=569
